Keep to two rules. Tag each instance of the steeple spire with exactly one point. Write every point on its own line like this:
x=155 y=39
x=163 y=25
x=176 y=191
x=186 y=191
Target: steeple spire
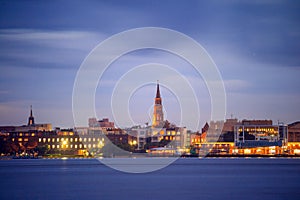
x=30 y=118
x=158 y=115
x=157 y=98
x=31 y=111
x=157 y=91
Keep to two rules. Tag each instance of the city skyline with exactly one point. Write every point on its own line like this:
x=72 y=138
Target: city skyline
x=43 y=46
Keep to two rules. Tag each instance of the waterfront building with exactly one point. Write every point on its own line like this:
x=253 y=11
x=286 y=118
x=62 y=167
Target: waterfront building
x=294 y=132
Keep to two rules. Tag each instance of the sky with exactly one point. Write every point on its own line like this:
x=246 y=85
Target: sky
x=254 y=44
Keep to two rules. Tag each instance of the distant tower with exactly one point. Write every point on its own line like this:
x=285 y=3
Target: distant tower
x=30 y=118
x=158 y=115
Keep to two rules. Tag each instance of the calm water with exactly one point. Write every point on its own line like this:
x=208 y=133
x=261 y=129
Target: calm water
x=185 y=179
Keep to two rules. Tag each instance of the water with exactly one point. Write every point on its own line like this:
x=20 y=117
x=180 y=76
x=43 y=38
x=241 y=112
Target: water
x=191 y=178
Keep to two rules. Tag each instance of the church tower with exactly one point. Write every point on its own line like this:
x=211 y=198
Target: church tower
x=158 y=115
x=30 y=118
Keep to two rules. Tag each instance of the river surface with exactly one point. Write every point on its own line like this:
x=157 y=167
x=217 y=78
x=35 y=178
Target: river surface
x=186 y=178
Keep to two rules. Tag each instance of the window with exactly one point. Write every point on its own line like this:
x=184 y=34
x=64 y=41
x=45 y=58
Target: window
x=57 y=146
x=44 y=139
x=48 y=139
x=40 y=139
x=57 y=139
x=75 y=146
x=53 y=139
x=25 y=139
x=53 y=146
x=71 y=139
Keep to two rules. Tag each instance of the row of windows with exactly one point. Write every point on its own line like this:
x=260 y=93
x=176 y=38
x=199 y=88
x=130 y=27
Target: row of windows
x=20 y=139
x=71 y=146
x=27 y=134
x=258 y=129
x=70 y=139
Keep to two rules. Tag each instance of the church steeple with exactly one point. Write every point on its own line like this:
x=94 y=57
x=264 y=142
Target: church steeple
x=157 y=98
x=30 y=118
x=158 y=115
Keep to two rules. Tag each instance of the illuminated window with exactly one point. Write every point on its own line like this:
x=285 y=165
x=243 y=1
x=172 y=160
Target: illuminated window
x=26 y=139
x=53 y=146
x=67 y=146
x=71 y=139
x=84 y=139
x=44 y=139
x=53 y=139
x=40 y=139
x=80 y=146
x=94 y=145
x=32 y=134
x=80 y=139
x=21 y=134
x=13 y=139
x=89 y=145
x=247 y=151
x=75 y=146
x=89 y=139
x=71 y=146
x=57 y=139
x=94 y=139
x=20 y=139
x=48 y=139
x=84 y=146
x=57 y=146
x=98 y=139
x=76 y=139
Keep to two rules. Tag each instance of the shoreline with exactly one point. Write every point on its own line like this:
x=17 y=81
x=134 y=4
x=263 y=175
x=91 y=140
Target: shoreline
x=149 y=157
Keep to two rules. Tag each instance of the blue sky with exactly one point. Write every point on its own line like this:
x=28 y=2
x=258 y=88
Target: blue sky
x=255 y=45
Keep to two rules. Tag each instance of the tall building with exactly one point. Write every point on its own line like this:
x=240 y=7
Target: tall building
x=30 y=118
x=158 y=115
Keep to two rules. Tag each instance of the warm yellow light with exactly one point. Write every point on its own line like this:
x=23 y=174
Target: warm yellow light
x=297 y=151
x=247 y=151
x=64 y=142
x=134 y=142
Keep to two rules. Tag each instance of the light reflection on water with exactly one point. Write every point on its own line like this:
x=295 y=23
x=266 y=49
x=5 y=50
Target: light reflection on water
x=189 y=178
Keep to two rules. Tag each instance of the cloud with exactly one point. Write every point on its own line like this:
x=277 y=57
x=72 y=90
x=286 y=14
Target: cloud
x=236 y=85
x=46 y=49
